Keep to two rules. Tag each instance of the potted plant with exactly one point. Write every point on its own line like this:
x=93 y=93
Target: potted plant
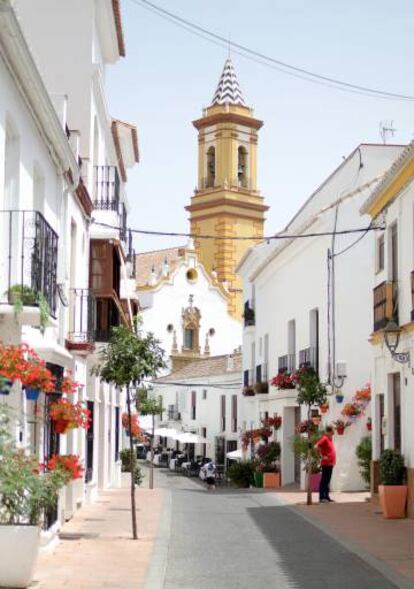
x=339 y=396
x=21 y=295
x=241 y=474
x=268 y=455
x=25 y=493
x=248 y=391
x=283 y=380
x=68 y=464
x=302 y=446
x=324 y=407
x=275 y=422
x=261 y=388
x=340 y=426
x=369 y=424
x=66 y=415
x=258 y=475
x=392 y=491
x=352 y=410
x=364 y=455
x=37 y=378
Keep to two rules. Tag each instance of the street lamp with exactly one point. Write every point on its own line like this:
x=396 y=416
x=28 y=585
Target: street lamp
x=392 y=333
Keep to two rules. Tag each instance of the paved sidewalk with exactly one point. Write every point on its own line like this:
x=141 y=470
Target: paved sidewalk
x=360 y=524
x=97 y=549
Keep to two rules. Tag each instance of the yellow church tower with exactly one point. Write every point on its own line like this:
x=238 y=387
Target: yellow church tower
x=226 y=202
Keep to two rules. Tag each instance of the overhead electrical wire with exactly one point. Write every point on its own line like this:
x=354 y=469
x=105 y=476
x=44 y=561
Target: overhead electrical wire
x=267 y=238
x=267 y=60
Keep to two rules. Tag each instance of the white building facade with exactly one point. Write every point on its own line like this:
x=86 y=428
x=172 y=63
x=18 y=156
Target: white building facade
x=63 y=160
x=305 y=306
x=184 y=306
x=391 y=206
x=204 y=397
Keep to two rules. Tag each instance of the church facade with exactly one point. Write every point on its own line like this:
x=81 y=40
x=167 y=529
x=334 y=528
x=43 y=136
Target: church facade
x=190 y=296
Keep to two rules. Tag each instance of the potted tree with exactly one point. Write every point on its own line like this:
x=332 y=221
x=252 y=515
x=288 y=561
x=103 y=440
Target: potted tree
x=130 y=357
x=25 y=493
x=311 y=392
x=268 y=455
x=392 y=491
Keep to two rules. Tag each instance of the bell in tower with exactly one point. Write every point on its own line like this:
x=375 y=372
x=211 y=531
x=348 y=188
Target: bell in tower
x=227 y=202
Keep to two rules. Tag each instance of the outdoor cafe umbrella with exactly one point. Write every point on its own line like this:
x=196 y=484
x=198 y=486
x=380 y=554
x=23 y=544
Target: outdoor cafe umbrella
x=189 y=438
x=235 y=454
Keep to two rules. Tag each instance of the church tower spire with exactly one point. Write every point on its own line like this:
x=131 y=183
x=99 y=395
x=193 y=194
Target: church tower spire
x=227 y=202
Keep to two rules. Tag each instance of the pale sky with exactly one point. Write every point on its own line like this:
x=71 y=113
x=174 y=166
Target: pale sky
x=169 y=75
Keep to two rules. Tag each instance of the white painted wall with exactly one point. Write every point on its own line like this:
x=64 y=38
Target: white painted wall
x=293 y=281
x=399 y=211
x=163 y=306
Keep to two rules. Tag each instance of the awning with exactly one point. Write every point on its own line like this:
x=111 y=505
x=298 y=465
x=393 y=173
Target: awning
x=189 y=438
x=235 y=454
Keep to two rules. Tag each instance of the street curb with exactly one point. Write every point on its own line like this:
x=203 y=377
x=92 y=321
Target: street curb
x=379 y=565
x=155 y=577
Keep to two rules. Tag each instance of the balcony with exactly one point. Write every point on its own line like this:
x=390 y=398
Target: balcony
x=287 y=363
x=107 y=188
x=309 y=358
x=385 y=304
x=261 y=385
x=173 y=413
x=82 y=320
x=248 y=384
x=249 y=315
x=107 y=317
x=28 y=259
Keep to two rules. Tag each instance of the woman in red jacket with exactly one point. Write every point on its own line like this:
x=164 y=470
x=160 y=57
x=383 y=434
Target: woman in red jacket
x=326 y=448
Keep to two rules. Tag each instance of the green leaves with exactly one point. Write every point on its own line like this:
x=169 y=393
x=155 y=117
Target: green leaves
x=310 y=390
x=129 y=358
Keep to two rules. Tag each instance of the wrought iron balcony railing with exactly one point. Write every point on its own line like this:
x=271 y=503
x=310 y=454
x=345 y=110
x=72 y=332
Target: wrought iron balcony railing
x=28 y=259
x=385 y=304
x=107 y=188
x=249 y=314
x=82 y=316
x=287 y=363
x=309 y=358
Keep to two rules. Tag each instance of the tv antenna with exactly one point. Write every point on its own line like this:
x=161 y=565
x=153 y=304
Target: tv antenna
x=387 y=130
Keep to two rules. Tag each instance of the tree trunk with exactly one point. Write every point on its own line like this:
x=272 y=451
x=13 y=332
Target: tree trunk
x=309 y=463
x=151 y=473
x=131 y=447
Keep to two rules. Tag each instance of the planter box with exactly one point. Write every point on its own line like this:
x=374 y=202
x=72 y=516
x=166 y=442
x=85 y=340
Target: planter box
x=393 y=500
x=19 y=548
x=271 y=480
x=261 y=388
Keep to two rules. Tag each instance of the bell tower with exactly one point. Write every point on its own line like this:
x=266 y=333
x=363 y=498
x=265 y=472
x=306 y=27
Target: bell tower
x=226 y=202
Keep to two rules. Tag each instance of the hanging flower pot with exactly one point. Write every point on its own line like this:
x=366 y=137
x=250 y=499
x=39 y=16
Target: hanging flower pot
x=60 y=426
x=324 y=407
x=339 y=397
x=32 y=394
x=340 y=431
x=5 y=385
x=369 y=424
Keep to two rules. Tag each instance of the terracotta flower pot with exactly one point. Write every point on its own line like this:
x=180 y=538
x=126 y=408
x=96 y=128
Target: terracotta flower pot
x=340 y=431
x=393 y=500
x=324 y=408
x=271 y=480
x=60 y=426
